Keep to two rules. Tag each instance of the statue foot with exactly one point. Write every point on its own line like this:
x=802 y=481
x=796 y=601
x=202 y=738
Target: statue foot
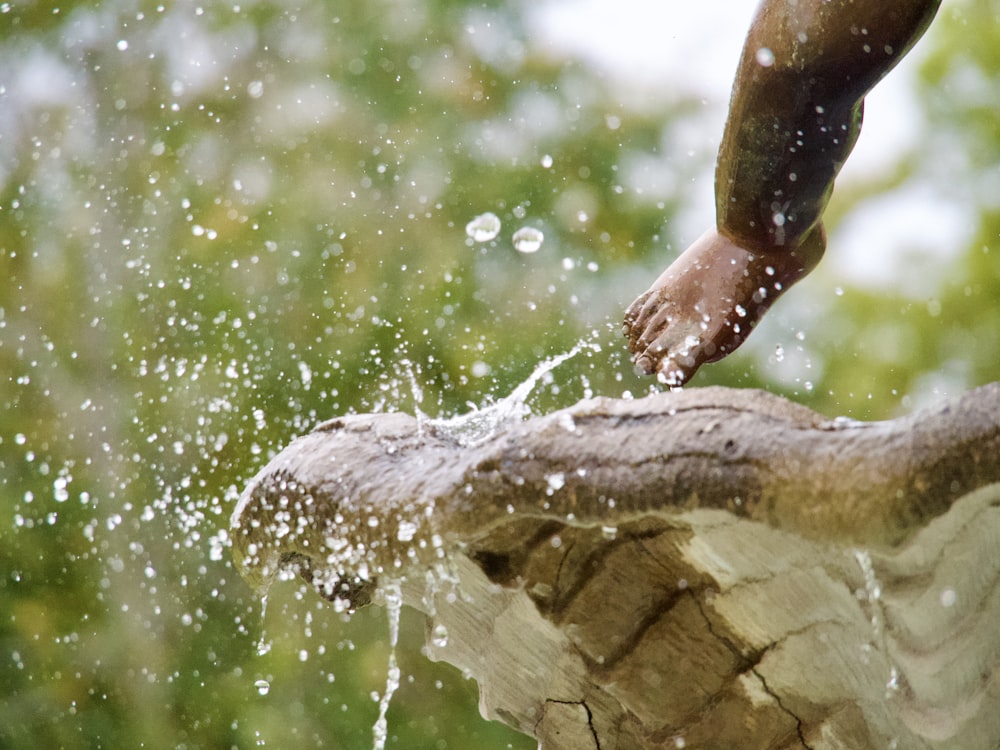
x=707 y=302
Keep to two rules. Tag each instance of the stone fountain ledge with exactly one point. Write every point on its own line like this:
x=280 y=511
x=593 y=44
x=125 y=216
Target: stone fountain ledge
x=710 y=568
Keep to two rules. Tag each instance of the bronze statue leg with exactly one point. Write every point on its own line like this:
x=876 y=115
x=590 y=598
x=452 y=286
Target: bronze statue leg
x=794 y=116
x=706 y=303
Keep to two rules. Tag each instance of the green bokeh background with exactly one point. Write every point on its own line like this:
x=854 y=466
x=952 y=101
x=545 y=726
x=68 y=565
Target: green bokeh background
x=221 y=223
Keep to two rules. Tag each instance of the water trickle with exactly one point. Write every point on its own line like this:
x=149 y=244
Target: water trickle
x=873 y=595
x=263 y=645
x=393 y=608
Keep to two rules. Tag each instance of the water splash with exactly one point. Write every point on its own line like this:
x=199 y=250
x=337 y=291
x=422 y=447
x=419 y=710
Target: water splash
x=340 y=560
x=480 y=424
x=412 y=370
x=393 y=608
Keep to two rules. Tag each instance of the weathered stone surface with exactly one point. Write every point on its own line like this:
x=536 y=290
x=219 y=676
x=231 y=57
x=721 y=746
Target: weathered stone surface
x=706 y=569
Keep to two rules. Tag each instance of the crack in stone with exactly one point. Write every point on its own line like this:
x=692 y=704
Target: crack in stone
x=590 y=725
x=745 y=661
x=749 y=663
x=783 y=707
x=590 y=718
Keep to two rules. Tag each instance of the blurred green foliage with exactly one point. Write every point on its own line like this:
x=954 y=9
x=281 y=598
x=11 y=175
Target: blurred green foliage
x=221 y=223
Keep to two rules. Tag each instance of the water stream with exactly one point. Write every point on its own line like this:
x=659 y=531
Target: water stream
x=393 y=607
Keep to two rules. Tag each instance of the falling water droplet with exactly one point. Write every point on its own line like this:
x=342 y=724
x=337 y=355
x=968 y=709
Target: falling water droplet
x=528 y=240
x=263 y=687
x=484 y=227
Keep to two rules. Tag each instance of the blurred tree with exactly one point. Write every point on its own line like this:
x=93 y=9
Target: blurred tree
x=220 y=223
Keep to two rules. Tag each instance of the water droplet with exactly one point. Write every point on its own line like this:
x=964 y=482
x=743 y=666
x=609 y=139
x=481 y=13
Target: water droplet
x=528 y=240
x=305 y=372
x=765 y=57
x=484 y=227
x=439 y=636
x=547 y=161
x=892 y=684
x=263 y=687
x=556 y=481
x=407 y=530
x=59 y=491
